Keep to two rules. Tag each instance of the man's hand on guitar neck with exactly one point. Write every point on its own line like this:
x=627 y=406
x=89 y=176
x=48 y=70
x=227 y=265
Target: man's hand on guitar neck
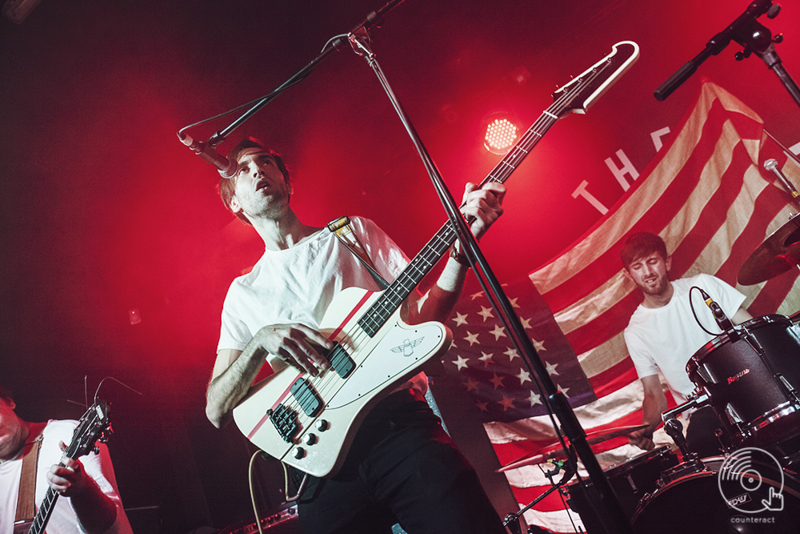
x=95 y=510
x=484 y=204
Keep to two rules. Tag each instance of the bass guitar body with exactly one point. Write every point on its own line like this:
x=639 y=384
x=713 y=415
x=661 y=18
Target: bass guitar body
x=309 y=422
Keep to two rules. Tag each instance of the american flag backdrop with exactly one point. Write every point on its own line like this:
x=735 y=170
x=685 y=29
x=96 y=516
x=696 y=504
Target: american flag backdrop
x=706 y=194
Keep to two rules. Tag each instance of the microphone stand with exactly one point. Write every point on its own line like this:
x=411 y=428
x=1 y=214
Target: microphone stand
x=752 y=35
x=604 y=501
x=373 y=19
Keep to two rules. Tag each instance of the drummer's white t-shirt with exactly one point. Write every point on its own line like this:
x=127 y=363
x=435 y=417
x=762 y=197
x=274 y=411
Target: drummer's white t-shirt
x=666 y=338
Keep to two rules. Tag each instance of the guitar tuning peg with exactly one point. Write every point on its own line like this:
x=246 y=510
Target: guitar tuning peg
x=96 y=449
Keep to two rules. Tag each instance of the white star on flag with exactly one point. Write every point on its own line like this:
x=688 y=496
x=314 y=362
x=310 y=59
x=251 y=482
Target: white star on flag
x=486 y=313
x=498 y=332
x=460 y=319
x=460 y=362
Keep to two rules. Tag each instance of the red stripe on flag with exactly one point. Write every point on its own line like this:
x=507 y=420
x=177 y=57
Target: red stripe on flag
x=614 y=378
x=605 y=326
x=772 y=294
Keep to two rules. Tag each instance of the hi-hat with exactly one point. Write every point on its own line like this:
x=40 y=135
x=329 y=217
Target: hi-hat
x=557 y=451
x=776 y=255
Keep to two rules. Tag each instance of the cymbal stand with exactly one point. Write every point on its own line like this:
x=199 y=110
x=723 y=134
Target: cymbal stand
x=570 y=468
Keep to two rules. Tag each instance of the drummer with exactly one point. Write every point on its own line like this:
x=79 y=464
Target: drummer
x=662 y=335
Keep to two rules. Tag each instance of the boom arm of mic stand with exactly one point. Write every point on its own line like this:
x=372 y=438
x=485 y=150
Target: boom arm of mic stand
x=563 y=411
x=373 y=19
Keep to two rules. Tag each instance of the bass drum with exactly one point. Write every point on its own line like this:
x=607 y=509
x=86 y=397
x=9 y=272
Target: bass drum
x=694 y=504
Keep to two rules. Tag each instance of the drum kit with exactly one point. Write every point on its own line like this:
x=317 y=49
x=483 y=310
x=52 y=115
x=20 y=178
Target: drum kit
x=751 y=380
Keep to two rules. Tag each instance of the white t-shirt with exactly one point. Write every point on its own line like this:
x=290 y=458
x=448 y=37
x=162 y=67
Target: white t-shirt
x=666 y=338
x=63 y=519
x=297 y=285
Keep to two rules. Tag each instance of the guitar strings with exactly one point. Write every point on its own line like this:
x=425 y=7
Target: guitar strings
x=391 y=299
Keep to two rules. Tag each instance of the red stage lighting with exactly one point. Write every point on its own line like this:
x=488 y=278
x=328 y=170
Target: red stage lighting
x=501 y=134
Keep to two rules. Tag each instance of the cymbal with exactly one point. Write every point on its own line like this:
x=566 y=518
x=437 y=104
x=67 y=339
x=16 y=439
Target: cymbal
x=557 y=451
x=776 y=255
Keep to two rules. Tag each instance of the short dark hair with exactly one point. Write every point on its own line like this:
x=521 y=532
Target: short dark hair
x=6 y=395
x=227 y=186
x=639 y=245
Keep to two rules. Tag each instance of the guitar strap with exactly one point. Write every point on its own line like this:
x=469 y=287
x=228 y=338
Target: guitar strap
x=341 y=227
x=26 y=501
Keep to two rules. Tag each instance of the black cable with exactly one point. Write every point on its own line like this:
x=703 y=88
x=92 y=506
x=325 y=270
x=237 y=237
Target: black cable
x=691 y=305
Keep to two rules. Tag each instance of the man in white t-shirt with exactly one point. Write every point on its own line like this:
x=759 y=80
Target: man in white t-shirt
x=663 y=334
x=88 y=500
x=402 y=467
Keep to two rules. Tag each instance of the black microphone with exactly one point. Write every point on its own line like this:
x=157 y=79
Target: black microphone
x=719 y=315
x=225 y=167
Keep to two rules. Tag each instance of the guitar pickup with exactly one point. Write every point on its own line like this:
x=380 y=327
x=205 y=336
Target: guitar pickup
x=340 y=361
x=285 y=421
x=305 y=395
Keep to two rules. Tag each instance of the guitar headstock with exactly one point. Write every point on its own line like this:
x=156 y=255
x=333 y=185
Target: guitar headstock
x=581 y=92
x=93 y=425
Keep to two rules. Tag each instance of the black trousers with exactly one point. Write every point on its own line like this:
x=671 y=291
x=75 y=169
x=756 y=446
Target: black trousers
x=402 y=468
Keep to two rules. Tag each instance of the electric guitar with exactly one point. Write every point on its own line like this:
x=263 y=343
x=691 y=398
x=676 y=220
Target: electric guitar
x=91 y=427
x=309 y=422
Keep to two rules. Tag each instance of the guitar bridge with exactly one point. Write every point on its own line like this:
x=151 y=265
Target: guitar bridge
x=285 y=421
x=306 y=396
x=340 y=361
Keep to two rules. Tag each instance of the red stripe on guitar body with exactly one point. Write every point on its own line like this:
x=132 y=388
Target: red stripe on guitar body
x=285 y=394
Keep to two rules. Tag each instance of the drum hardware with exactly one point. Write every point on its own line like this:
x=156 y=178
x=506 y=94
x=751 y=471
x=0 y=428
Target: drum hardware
x=674 y=428
x=570 y=469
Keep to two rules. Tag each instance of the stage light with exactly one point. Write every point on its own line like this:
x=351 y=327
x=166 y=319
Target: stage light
x=501 y=134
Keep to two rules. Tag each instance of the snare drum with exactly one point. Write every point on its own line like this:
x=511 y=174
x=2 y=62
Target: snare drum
x=753 y=404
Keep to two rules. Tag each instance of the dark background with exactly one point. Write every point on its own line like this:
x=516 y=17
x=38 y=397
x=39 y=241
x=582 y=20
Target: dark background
x=104 y=211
